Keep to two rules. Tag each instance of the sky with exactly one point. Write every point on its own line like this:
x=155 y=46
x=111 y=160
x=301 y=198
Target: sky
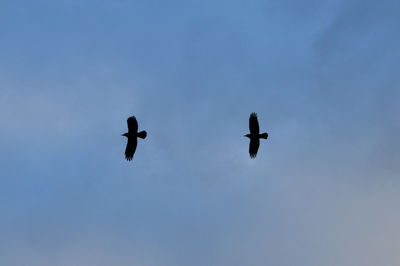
x=322 y=75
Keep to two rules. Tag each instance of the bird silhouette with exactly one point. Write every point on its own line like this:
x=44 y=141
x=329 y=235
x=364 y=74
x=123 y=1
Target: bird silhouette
x=254 y=135
x=132 y=136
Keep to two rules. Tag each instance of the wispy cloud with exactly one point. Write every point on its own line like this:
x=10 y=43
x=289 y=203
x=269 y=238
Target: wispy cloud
x=321 y=75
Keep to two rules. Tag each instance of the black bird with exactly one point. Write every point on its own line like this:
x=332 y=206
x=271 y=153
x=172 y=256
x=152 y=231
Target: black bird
x=254 y=135
x=132 y=136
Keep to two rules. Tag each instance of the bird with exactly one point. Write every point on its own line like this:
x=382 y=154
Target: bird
x=132 y=136
x=254 y=135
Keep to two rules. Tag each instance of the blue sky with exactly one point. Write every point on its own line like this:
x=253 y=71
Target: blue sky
x=322 y=76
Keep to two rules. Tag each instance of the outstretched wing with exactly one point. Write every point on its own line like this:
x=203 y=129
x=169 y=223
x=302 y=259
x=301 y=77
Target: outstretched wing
x=253 y=124
x=132 y=124
x=253 y=148
x=130 y=148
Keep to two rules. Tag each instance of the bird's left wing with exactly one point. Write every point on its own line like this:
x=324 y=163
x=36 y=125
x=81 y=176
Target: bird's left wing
x=132 y=124
x=253 y=124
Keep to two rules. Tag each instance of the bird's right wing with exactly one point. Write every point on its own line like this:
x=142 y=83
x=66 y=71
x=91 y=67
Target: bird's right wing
x=132 y=124
x=253 y=148
x=253 y=124
x=130 y=148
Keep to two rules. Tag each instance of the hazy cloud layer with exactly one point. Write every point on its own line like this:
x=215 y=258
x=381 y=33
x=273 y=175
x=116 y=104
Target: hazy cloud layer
x=322 y=75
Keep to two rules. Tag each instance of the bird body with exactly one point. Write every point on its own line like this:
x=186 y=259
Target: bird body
x=132 y=136
x=141 y=134
x=254 y=135
x=258 y=136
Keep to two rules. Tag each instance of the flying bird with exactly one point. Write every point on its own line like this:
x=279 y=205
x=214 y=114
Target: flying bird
x=132 y=136
x=254 y=135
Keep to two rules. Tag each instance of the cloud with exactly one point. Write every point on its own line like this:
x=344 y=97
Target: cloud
x=322 y=191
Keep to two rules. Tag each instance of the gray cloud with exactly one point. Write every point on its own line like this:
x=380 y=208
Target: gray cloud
x=322 y=76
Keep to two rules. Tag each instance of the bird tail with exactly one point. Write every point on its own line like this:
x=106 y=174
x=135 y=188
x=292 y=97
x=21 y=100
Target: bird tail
x=264 y=135
x=142 y=134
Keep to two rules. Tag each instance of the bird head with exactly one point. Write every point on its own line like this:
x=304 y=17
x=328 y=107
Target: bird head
x=125 y=135
x=247 y=135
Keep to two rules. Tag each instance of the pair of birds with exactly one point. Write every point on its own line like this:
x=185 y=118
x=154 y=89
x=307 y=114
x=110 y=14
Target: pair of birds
x=133 y=134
